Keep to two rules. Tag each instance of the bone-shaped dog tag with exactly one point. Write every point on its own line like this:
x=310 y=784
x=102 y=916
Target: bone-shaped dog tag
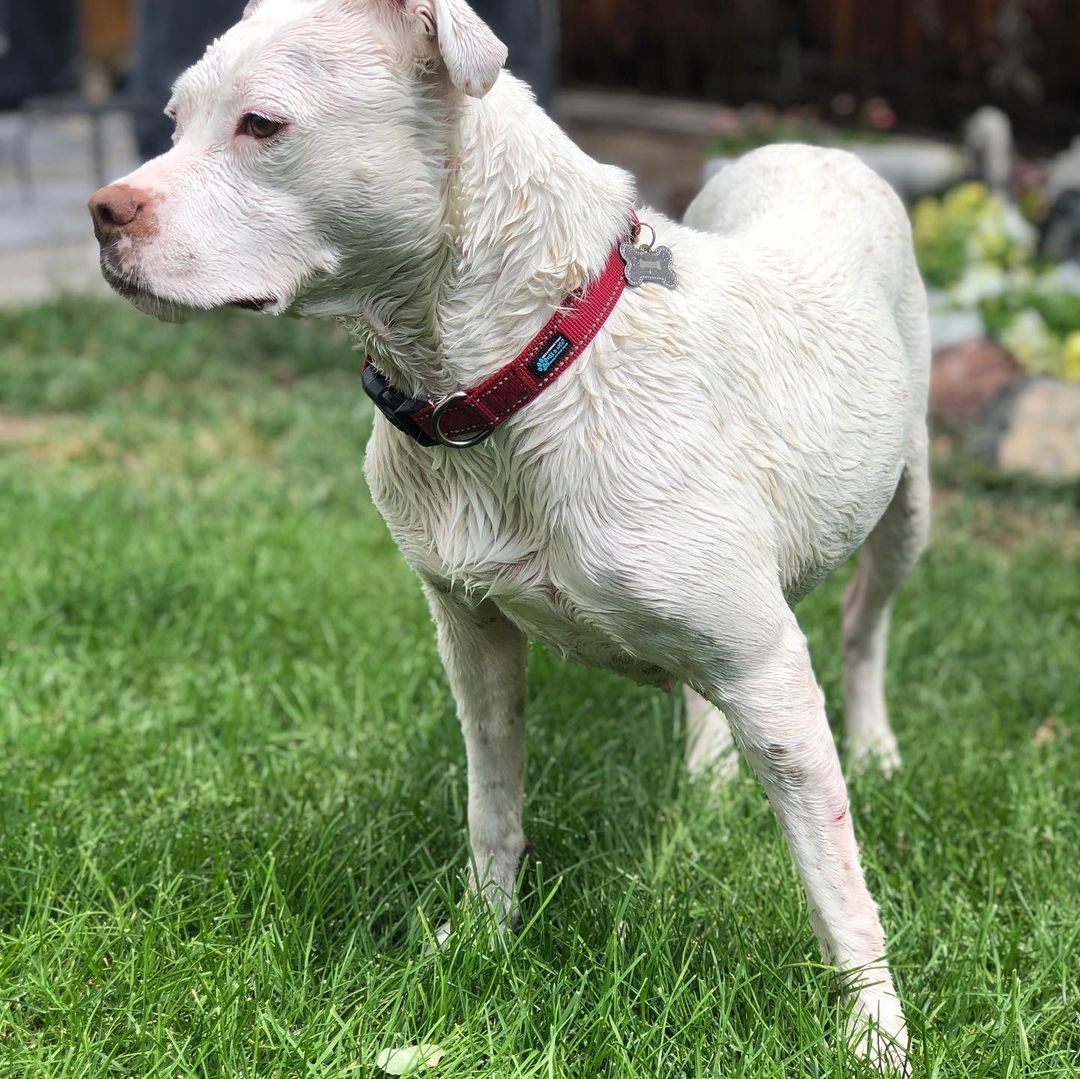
x=648 y=265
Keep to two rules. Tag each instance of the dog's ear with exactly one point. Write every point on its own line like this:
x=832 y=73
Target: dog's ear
x=473 y=55
x=250 y=9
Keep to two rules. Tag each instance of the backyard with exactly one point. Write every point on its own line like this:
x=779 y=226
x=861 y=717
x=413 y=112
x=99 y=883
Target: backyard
x=232 y=789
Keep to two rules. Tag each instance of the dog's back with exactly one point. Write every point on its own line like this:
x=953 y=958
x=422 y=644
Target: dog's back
x=824 y=212
x=814 y=203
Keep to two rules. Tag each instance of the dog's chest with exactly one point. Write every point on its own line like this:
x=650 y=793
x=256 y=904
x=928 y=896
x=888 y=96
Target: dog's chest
x=485 y=539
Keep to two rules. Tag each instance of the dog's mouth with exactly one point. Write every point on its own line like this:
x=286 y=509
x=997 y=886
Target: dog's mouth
x=141 y=298
x=124 y=284
x=162 y=306
x=261 y=306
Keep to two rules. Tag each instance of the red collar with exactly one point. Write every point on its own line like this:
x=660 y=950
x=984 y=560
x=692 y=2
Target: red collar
x=467 y=417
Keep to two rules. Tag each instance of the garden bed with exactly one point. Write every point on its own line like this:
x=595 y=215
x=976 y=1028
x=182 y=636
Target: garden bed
x=1006 y=381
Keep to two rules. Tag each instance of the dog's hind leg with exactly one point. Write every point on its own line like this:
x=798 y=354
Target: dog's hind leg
x=710 y=748
x=484 y=655
x=886 y=559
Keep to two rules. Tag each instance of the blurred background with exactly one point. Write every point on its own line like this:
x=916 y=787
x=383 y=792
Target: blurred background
x=231 y=783
x=968 y=107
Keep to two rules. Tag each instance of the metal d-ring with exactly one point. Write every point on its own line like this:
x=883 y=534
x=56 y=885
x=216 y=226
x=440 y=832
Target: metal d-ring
x=445 y=440
x=652 y=231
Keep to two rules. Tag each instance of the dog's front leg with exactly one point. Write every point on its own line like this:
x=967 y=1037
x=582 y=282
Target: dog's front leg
x=485 y=656
x=778 y=715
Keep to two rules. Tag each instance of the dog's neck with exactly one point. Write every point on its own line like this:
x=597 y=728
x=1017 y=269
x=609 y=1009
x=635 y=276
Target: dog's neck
x=528 y=218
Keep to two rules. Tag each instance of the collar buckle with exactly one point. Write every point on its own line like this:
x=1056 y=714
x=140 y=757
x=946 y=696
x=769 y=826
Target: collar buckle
x=399 y=408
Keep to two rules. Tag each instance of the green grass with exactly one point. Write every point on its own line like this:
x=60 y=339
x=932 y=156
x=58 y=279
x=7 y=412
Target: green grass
x=232 y=790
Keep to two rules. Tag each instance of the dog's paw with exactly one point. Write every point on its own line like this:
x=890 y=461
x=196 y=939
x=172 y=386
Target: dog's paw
x=880 y=752
x=486 y=924
x=487 y=935
x=887 y=1053
x=875 y=1029
x=442 y=937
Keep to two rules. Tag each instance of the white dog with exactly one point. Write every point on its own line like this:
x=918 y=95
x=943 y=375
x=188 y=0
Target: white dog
x=713 y=455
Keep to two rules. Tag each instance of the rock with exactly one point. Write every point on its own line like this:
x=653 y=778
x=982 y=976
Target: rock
x=913 y=166
x=1063 y=173
x=965 y=377
x=1033 y=427
x=715 y=165
x=949 y=326
x=1059 y=239
x=988 y=137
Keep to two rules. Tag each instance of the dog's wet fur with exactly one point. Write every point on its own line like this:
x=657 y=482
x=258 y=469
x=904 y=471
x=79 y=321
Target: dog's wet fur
x=709 y=459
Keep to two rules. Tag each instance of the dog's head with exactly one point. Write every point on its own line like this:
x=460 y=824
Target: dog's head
x=307 y=141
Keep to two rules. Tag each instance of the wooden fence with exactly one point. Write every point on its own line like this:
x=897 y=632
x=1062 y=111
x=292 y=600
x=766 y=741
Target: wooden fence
x=934 y=60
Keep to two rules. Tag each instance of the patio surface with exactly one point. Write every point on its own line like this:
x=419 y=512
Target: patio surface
x=46 y=244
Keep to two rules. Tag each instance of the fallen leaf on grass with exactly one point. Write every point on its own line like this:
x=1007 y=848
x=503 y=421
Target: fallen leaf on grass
x=1048 y=732
x=409 y=1059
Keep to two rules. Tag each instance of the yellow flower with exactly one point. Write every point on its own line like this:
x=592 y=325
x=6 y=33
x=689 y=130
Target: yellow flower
x=988 y=243
x=967 y=198
x=928 y=222
x=1071 y=356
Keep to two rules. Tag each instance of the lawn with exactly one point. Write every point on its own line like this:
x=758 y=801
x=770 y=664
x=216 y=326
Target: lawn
x=232 y=791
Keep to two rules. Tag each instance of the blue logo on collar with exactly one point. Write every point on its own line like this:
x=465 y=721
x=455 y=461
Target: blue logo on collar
x=550 y=354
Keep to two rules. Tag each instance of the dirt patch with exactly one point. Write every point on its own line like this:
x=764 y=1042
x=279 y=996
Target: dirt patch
x=1012 y=529
x=1010 y=524
x=14 y=428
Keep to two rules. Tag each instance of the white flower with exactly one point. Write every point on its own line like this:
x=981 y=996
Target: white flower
x=1063 y=278
x=1022 y=278
x=1018 y=229
x=1001 y=234
x=1030 y=340
x=981 y=281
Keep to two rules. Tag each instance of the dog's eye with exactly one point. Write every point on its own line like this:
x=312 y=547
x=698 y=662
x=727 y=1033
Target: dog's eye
x=259 y=127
